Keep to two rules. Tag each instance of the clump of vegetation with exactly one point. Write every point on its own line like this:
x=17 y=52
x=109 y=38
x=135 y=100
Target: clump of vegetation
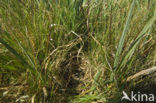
x=75 y=51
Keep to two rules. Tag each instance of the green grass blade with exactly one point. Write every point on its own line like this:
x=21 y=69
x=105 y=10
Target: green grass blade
x=134 y=45
x=27 y=55
x=13 y=51
x=122 y=39
x=30 y=59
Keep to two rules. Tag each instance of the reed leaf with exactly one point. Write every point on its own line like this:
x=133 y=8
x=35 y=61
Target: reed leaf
x=16 y=54
x=122 y=39
x=136 y=42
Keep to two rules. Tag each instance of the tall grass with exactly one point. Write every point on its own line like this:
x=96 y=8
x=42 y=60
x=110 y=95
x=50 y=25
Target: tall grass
x=73 y=51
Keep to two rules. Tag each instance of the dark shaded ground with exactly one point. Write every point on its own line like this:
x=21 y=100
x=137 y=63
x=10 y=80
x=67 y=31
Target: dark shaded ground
x=69 y=74
x=146 y=86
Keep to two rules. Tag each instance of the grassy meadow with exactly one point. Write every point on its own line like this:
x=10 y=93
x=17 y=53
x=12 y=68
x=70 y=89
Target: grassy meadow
x=76 y=51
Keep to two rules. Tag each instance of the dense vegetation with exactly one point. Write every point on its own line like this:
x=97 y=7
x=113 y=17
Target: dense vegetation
x=75 y=51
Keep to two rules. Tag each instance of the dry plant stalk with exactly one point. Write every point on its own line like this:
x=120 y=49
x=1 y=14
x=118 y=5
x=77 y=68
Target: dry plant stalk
x=142 y=73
